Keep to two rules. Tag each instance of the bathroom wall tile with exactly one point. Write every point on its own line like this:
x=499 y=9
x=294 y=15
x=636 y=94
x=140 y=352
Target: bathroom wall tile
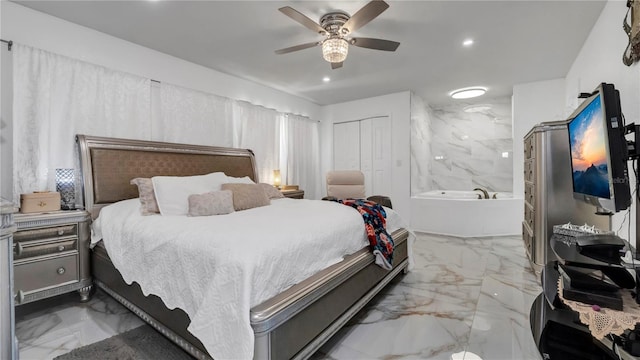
x=497 y=182
x=473 y=142
x=450 y=183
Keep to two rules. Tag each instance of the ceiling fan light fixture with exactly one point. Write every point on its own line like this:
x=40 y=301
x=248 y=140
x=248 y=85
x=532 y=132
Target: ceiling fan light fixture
x=335 y=50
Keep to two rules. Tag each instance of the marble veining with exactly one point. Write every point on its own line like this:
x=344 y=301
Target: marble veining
x=470 y=294
x=459 y=146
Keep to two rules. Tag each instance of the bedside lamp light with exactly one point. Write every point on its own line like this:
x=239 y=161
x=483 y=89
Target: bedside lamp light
x=65 y=185
x=276 y=178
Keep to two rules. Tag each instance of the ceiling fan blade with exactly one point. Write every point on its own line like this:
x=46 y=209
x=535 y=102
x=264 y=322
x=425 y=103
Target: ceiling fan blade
x=364 y=15
x=376 y=44
x=302 y=19
x=337 y=65
x=297 y=47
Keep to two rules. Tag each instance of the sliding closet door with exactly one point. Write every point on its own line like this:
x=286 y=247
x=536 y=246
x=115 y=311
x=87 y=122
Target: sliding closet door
x=346 y=146
x=365 y=145
x=380 y=157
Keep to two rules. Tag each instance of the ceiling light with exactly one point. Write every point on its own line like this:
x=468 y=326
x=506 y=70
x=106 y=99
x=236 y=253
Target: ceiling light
x=467 y=93
x=335 y=50
x=467 y=42
x=326 y=79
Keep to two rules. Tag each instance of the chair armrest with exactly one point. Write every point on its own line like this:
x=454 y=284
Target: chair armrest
x=382 y=200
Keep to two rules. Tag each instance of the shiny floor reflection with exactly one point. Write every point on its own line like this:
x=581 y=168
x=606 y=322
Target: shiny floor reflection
x=464 y=297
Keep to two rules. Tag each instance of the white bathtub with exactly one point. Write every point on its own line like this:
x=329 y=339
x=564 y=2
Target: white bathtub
x=461 y=213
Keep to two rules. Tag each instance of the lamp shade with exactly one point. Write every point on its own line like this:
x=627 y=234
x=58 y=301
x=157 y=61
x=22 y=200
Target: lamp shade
x=276 y=177
x=335 y=50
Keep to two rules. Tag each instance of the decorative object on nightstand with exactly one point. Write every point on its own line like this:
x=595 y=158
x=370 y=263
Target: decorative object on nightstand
x=51 y=255
x=292 y=191
x=65 y=185
x=8 y=342
x=39 y=201
x=276 y=178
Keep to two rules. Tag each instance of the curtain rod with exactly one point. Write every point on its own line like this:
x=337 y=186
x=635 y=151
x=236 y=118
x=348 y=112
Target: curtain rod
x=8 y=42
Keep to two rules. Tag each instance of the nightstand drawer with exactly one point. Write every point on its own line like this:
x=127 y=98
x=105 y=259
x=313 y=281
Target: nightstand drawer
x=46 y=232
x=48 y=272
x=33 y=248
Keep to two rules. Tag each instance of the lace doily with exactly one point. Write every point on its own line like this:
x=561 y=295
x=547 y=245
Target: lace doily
x=606 y=321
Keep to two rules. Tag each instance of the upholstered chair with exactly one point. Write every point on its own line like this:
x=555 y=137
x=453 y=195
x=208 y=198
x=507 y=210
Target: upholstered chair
x=345 y=184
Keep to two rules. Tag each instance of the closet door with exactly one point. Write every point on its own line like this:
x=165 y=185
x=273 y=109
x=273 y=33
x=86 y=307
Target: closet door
x=346 y=146
x=366 y=154
x=380 y=156
x=365 y=145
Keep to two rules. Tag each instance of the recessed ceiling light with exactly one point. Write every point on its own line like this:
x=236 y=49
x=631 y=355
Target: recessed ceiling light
x=467 y=93
x=467 y=42
x=326 y=79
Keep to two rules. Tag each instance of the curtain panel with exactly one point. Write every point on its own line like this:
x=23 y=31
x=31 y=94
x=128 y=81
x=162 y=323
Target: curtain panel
x=301 y=155
x=55 y=98
x=193 y=117
x=258 y=128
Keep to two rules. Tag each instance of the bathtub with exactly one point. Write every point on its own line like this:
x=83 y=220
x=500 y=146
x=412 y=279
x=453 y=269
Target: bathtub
x=462 y=214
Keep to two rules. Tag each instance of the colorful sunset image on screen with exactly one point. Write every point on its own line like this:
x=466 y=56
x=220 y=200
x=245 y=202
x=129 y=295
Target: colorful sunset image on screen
x=587 y=138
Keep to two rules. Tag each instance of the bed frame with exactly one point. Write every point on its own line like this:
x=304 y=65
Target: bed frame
x=291 y=325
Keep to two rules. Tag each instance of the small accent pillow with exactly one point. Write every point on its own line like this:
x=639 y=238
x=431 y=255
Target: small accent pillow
x=247 y=196
x=148 y=203
x=271 y=191
x=211 y=203
x=172 y=192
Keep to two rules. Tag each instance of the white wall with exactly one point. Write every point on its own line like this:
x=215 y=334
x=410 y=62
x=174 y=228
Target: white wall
x=6 y=97
x=397 y=107
x=600 y=60
x=29 y=27
x=533 y=103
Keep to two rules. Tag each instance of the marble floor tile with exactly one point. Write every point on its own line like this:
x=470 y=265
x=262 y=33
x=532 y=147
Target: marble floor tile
x=469 y=294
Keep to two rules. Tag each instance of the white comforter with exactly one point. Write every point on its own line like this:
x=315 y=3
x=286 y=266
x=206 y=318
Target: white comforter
x=216 y=268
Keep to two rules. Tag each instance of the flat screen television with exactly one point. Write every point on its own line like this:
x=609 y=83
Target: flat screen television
x=599 y=151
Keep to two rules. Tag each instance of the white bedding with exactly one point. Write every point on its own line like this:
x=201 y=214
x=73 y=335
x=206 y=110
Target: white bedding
x=216 y=268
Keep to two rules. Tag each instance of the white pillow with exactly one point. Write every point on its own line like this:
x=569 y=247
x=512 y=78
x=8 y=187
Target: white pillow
x=172 y=192
x=237 y=180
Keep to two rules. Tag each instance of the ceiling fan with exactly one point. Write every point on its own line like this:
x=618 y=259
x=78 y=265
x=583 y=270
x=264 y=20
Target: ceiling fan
x=336 y=27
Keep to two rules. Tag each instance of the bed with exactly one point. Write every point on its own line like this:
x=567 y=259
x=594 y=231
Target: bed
x=291 y=324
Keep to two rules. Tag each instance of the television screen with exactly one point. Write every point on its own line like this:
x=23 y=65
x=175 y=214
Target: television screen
x=588 y=142
x=599 y=151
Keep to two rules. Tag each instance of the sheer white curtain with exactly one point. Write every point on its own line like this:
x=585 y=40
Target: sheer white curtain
x=301 y=154
x=193 y=117
x=55 y=98
x=258 y=128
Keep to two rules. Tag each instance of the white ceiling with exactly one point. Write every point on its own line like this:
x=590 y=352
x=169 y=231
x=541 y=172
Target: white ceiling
x=515 y=42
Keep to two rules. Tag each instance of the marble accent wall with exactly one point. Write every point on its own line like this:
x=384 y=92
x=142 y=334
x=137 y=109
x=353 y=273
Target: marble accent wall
x=461 y=146
x=420 y=146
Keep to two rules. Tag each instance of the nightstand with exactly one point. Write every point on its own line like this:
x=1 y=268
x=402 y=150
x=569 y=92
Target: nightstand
x=293 y=194
x=51 y=255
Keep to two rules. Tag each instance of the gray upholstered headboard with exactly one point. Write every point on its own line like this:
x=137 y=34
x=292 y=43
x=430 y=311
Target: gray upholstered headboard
x=109 y=164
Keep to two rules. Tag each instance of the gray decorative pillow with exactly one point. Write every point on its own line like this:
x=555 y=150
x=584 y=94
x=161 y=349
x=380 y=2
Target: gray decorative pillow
x=271 y=191
x=247 y=196
x=148 y=202
x=212 y=203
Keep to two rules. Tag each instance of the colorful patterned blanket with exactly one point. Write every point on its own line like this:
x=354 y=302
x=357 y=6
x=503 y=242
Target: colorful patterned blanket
x=375 y=222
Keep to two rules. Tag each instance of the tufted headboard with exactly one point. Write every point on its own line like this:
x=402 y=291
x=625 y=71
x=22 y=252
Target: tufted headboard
x=109 y=164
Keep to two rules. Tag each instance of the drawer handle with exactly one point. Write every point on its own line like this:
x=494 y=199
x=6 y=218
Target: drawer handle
x=20 y=297
x=61 y=248
x=60 y=232
x=61 y=271
x=19 y=249
x=42 y=204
